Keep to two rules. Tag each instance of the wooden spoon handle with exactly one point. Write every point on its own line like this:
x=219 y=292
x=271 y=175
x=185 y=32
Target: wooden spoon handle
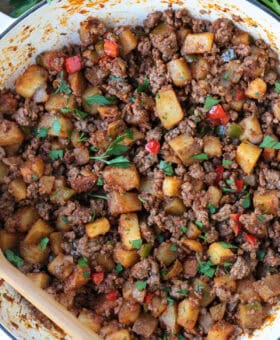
x=44 y=302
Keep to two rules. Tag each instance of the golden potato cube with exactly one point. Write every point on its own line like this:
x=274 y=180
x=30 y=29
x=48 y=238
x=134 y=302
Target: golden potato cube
x=217 y=312
x=8 y=240
x=89 y=92
x=121 y=179
x=120 y=334
x=174 y=271
x=58 y=101
x=276 y=108
x=25 y=217
x=179 y=72
x=246 y=291
x=62 y=224
x=32 y=169
x=77 y=81
x=221 y=331
x=250 y=315
x=32 y=253
x=61 y=266
x=121 y=203
x=207 y=294
x=105 y=261
x=129 y=312
x=126 y=258
x=56 y=241
x=252 y=131
x=58 y=125
x=4 y=170
x=214 y=195
x=145 y=325
x=225 y=282
x=77 y=279
x=100 y=226
x=116 y=128
x=10 y=133
x=185 y=147
x=158 y=305
x=166 y=254
x=192 y=245
x=198 y=43
x=241 y=38
x=218 y=254
x=18 y=189
x=247 y=155
x=168 y=108
x=90 y=320
x=256 y=89
x=172 y=186
x=200 y=68
x=41 y=280
x=39 y=230
x=137 y=135
x=46 y=185
x=111 y=112
x=267 y=201
x=212 y=146
x=129 y=230
x=128 y=42
x=188 y=311
x=175 y=207
x=32 y=78
x=181 y=34
x=268 y=287
x=62 y=195
x=193 y=231
x=169 y=318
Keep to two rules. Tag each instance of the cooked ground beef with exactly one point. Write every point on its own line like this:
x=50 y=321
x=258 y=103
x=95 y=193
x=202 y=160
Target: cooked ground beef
x=139 y=177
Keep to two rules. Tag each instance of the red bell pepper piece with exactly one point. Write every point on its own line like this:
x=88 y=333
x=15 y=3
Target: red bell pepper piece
x=112 y=296
x=220 y=172
x=111 y=48
x=236 y=224
x=251 y=239
x=239 y=185
x=148 y=298
x=218 y=115
x=97 y=278
x=239 y=95
x=73 y=64
x=153 y=146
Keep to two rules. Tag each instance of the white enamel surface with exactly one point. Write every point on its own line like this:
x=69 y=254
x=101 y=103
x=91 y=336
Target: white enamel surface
x=55 y=25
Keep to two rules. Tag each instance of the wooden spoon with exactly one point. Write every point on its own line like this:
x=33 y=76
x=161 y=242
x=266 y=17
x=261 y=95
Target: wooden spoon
x=44 y=302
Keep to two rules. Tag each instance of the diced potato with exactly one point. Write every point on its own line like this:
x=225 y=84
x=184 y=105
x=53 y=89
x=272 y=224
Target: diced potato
x=61 y=266
x=41 y=280
x=32 y=78
x=256 y=89
x=188 y=311
x=121 y=203
x=129 y=312
x=241 y=38
x=8 y=240
x=109 y=112
x=128 y=42
x=267 y=201
x=55 y=242
x=58 y=101
x=51 y=60
x=46 y=185
x=181 y=34
x=39 y=230
x=247 y=155
x=4 y=170
x=145 y=325
x=32 y=169
x=175 y=207
x=137 y=135
x=90 y=320
x=89 y=92
x=168 y=108
x=129 y=230
x=158 y=305
x=169 y=318
x=63 y=224
x=250 y=315
x=100 y=226
x=246 y=291
x=121 y=179
x=252 y=131
x=225 y=282
x=235 y=70
x=85 y=181
x=207 y=295
x=276 y=108
x=221 y=331
x=174 y=271
x=179 y=72
x=200 y=69
x=130 y=291
x=193 y=231
x=120 y=334
x=25 y=217
x=197 y=43
x=10 y=133
x=65 y=125
x=18 y=189
x=126 y=258
x=62 y=195
x=185 y=147
x=105 y=261
x=268 y=287
x=116 y=128
x=77 y=83
x=218 y=254
x=147 y=185
x=212 y=146
x=77 y=279
x=32 y=253
x=165 y=253
x=192 y=245
x=172 y=186
x=214 y=195
x=217 y=312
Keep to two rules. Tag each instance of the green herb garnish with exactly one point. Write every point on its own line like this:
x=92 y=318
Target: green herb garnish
x=184 y=229
x=173 y=247
x=260 y=255
x=86 y=275
x=14 y=258
x=143 y=87
x=182 y=292
x=210 y=102
x=199 y=224
x=98 y=196
x=211 y=208
x=170 y=301
x=83 y=262
x=167 y=168
x=199 y=287
x=100 y=182
x=44 y=243
x=34 y=177
x=141 y=199
x=226 y=75
x=42 y=132
x=65 y=219
x=277 y=85
x=82 y=138
x=136 y=244
x=63 y=86
x=56 y=126
x=246 y=202
x=101 y=100
x=160 y=238
x=140 y=285
x=200 y=157
x=226 y=162
x=207 y=268
x=56 y=154
x=119 y=268
x=117 y=78
x=228 y=245
x=261 y=218
x=270 y=143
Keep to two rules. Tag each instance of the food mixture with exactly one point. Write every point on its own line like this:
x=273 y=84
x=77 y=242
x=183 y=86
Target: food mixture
x=139 y=178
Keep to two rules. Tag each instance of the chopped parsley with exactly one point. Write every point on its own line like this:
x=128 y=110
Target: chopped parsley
x=63 y=86
x=42 y=132
x=182 y=292
x=226 y=162
x=117 y=78
x=173 y=247
x=228 y=245
x=211 y=208
x=93 y=148
x=44 y=243
x=14 y=258
x=261 y=218
x=34 y=177
x=86 y=275
x=210 y=102
x=200 y=157
x=160 y=238
x=81 y=114
x=199 y=287
x=261 y=254
x=226 y=75
x=56 y=154
x=246 y=201
x=56 y=125
x=101 y=100
x=141 y=199
x=184 y=229
x=277 y=86
x=119 y=268
x=82 y=138
x=140 y=285
x=144 y=86
x=100 y=181
x=170 y=301
x=207 y=268
x=83 y=262
x=98 y=196
x=270 y=143
x=136 y=244
x=167 y=168
x=203 y=237
x=199 y=224
x=65 y=219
